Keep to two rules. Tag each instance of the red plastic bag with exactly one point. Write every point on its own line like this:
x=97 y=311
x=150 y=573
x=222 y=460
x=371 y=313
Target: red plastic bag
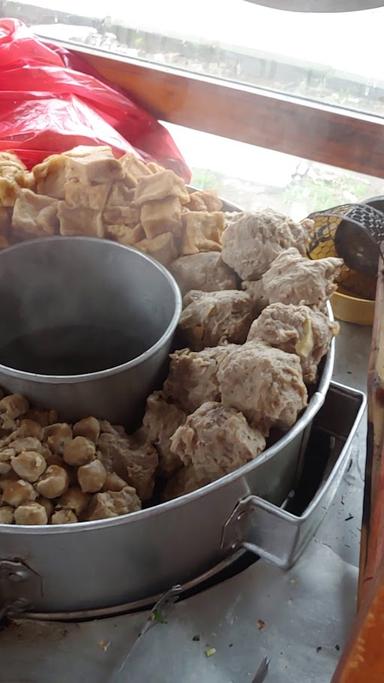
x=46 y=107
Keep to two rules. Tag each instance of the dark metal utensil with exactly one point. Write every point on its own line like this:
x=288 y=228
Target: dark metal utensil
x=261 y=672
x=359 y=236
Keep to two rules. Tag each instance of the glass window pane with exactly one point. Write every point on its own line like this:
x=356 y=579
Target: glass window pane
x=252 y=177
x=334 y=58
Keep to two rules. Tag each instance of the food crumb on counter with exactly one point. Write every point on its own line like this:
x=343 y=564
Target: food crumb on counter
x=261 y=624
x=104 y=644
x=158 y=617
x=196 y=639
x=210 y=651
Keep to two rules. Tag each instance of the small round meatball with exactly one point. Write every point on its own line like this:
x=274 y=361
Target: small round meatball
x=7 y=423
x=113 y=504
x=29 y=465
x=92 y=477
x=18 y=492
x=63 y=517
x=74 y=499
x=54 y=482
x=114 y=483
x=47 y=505
x=5 y=467
x=79 y=451
x=31 y=513
x=42 y=417
x=6 y=515
x=53 y=458
x=57 y=436
x=27 y=443
x=88 y=427
x=29 y=427
x=14 y=405
x=5 y=460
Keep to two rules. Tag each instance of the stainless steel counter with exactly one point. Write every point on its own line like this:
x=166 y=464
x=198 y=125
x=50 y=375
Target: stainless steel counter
x=299 y=618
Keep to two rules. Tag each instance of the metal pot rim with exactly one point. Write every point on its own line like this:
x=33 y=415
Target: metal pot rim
x=314 y=405
x=88 y=377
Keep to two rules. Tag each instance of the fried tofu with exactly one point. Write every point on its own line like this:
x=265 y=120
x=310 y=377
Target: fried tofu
x=159 y=186
x=162 y=248
x=204 y=200
x=96 y=166
x=133 y=168
x=86 y=195
x=80 y=221
x=163 y=215
x=202 y=231
x=13 y=176
x=125 y=235
x=35 y=215
x=50 y=176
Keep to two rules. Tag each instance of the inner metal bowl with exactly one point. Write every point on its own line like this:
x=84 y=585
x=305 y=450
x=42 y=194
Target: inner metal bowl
x=109 y=311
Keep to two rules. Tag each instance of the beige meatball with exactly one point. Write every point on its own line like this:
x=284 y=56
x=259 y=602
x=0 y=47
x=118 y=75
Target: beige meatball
x=14 y=405
x=292 y=279
x=113 y=482
x=57 y=436
x=192 y=379
x=7 y=424
x=53 y=458
x=212 y=318
x=161 y=419
x=54 y=482
x=18 y=492
x=5 y=467
x=265 y=384
x=29 y=427
x=296 y=329
x=184 y=481
x=64 y=517
x=114 y=503
x=47 y=505
x=216 y=440
x=79 y=451
x=88 y=427
x=28 y=443
x=74 y=499
x=252 y=241
x=42 y=417
x=29 y=465
x=31 y=513
x=92 y=477
x=5 y=460
x=6 y=515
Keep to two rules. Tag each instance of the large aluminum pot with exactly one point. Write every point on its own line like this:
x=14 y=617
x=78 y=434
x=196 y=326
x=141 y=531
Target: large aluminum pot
x=111 y=562
x=86 y=326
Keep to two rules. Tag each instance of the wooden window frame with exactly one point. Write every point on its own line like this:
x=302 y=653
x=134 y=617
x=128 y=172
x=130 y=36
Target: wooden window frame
x=307 y=129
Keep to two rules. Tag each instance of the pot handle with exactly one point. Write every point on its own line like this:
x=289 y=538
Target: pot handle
x=277 y=535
